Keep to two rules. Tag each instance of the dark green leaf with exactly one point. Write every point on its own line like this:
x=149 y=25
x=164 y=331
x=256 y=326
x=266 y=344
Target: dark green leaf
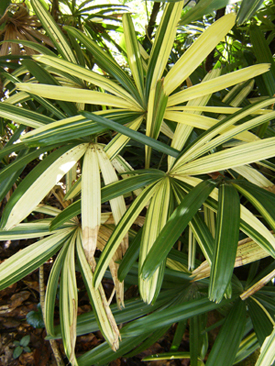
x=35 y=319
x=171 y=315
x=203 y=8
x=247 y=10
x=175 y=226
x=226 y=241
x=130 y=257
x=261 y=322
x=137 y=136
x=227 y=343
x=3 y=5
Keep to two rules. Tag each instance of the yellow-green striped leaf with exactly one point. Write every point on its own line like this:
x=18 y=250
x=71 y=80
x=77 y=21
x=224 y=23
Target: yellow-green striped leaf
x=90 y=202
x=195 y=54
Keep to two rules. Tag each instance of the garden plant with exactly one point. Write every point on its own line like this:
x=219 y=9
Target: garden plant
x=162 y=173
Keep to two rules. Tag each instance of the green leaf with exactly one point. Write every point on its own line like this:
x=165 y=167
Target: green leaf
x=103 y=354
x=158 y=334
x=17 y=352
x=155 y=112
x=196 y=327
x=92 y=77
x=228 y=158
x=156 y=218
x=104 y=317
x=197 y=52
x=137 y=136
x=130 y=257
x=35 y=318
x=247 y=10
x=69 y=301
x=134 y=308
x=25 y=340
x=135 y=332
x=203 y=8
x=171 y=315
x=203 y=236
x=181 y=326
x=226 y=241
x=260 y=318
x=262 y=51
x=168 y=356
x=175 y=226
x=227 y=343
x=30 y=230
x=21 y=162
x=72 y=128
x=4 y=4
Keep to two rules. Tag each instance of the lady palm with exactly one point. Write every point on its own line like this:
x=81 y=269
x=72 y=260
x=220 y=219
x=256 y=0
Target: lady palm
x=89 y=105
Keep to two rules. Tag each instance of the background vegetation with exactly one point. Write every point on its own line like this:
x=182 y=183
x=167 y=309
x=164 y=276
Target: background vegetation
x=139 y=165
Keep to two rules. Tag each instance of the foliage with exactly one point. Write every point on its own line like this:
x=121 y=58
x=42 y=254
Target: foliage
x=21 y=346
x=167 y=170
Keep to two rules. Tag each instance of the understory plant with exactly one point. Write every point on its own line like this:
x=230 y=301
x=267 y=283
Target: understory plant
x=160 y=167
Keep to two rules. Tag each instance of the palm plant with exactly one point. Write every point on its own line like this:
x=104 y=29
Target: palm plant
x=208 y=148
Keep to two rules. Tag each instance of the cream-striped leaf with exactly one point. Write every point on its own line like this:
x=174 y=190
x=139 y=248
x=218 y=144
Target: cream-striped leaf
x=253 y=176
x=121 y=230
x=87 y=75
x=53 y=31
x=103 y=314
x=155 y=220
x=90 y=201
x=210 y=109
x=69 y=302
x=30 y=258
x=163 y=43
x=219 y=83
x=203 y=122
x=230 y=158
x=68 y=94
x=201 y=146
x=195 y=54
x=267 y=355
x=183 y=132
x=133 y=53
x=43 y=184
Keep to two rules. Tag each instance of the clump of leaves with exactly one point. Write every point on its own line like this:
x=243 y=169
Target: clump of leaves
x=21 y=346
